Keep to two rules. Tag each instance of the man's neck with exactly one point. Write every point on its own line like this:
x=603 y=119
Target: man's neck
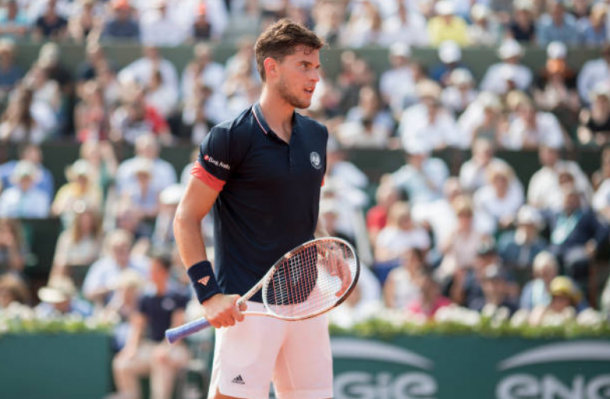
x=278 y=113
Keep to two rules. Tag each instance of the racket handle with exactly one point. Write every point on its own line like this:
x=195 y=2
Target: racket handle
x=177 y=333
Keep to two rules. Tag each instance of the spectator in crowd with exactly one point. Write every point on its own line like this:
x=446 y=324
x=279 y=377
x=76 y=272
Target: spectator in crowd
x=146 y=147
x=158 y=28
x=202 y=29
x=544 y=186
x=377 y=216
x=136 y=118
x=508 y=74
x=466 y=284
x=556 y=86
x=557 y=25
x=422 y=178
x=450 y=54
x=500 y=199
x=459 y=247
x=81 y=191
x=495 y=292
x=202 y=69
x=26 y=120
x=355 y=74
x=195 y=120
x=446 y=25
x=122 y=26
x=95 y=61
x=139 y=203
x=565 y=298
x=33 y=154
x=10 y=72
x=330 y=214
x=50 y=25
x=160 y=96
x=483 y=119
x=592 y=73
x=401 y=288
x=576 y=236
x=163 y=234
x=24 y=199
x=91 y=114
x=143 y=69
x=78 y=246
x=46 y=90
x=396 y=83
x=60 y=298
x=519 y=248
x=123 y=305
x=594 y=30
x=101 y=279
x=49 y=58
x=146 y=352
x=484 y=30
x=474 y=172
x=247 y=21
x=367 y=124
x=13 y=21
x=522 y=27
x=594 y=127
x=531 y=128
x=101 y=157
x=364 y=26
x=405 y=25
x=13 y=290
x=13 y=247
x=400 y=234
x=85 y=24
x=536 y=293
x=460 y=91
x=427 y=124
x=430 y=299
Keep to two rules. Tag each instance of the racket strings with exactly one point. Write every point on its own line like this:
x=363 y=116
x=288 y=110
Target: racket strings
x=311 y=280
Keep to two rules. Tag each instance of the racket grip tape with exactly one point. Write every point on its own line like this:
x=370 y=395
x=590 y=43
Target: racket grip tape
x=177 y=333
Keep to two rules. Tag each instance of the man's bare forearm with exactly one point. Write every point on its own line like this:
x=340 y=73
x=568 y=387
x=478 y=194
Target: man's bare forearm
x=189 y=240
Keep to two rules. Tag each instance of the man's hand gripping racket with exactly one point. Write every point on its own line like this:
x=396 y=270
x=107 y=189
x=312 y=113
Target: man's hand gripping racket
x=308 y=281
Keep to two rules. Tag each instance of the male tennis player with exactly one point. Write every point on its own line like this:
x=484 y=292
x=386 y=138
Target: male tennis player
x=262 y=173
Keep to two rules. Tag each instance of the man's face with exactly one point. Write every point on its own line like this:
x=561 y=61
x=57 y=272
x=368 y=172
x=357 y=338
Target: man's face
x=297 y=76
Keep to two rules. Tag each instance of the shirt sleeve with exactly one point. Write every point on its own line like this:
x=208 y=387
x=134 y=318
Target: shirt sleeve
x=216 y=159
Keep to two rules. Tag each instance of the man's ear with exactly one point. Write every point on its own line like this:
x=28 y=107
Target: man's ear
x=271 y=66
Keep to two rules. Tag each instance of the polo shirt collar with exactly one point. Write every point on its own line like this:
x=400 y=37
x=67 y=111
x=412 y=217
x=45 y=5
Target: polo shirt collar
x=260 y=119
x=262 y=122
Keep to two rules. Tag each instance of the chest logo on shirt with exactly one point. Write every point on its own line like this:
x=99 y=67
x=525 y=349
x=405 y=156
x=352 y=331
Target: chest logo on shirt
x=315 y=159
x=168 y=304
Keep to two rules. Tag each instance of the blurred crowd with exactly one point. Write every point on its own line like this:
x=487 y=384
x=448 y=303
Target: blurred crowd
x=429 y=236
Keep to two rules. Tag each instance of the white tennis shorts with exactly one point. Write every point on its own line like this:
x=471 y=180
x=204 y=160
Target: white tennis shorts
x=295 y=355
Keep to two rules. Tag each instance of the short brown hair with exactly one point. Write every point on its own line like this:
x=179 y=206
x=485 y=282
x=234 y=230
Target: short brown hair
x=281 y=39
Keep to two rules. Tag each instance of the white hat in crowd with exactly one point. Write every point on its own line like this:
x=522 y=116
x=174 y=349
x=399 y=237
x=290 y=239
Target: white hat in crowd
x=400 y=50
x=449 y=52
x=444 y=7
x=510 y=48
x=556 y=50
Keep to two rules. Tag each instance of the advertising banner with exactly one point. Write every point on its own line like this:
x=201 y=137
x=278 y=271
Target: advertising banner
x=470 y=368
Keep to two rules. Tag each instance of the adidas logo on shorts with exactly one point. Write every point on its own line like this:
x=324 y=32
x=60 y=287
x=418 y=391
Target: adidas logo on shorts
x=238 y=380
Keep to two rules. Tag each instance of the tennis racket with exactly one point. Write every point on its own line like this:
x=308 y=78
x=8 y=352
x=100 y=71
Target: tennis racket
x=308 y=281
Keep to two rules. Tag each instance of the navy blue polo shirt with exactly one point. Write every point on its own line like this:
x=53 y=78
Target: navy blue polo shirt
x=159 y=309
x=269 y=193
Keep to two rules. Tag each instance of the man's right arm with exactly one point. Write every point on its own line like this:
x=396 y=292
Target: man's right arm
x=220 y=310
